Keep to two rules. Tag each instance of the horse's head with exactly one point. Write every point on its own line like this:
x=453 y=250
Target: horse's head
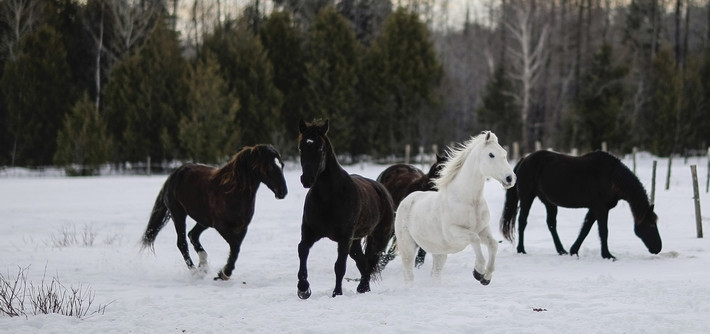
x=494 y=161
x=435 y=170
x=313 y=148
x=647 y=230
x=269 y=167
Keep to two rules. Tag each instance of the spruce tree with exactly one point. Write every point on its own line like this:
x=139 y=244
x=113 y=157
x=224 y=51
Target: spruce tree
x=600 y=100
x=208 y=132
x=83 y=143
x=38 y=91
x=146 y=96
x=333 y=65
x=249 y=76
x=498 y=112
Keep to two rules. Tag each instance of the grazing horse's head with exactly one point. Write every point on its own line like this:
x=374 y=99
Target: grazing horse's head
x=313 y=147
x=493 y=161
x=647 y=230
x=268 y=168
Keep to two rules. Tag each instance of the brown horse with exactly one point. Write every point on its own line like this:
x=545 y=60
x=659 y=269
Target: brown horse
x=402 y=180
x=341 y=207
x=222 y=198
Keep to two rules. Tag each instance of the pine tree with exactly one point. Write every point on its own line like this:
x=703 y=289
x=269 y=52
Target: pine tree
x=662 y=117
x=333 y=65
x=250 y=77
x=600 y=100
x=38 y=91
x=146 y=96
x=411 y=72
x=282 y=42
x=208 y=131
x=499 y=112
x=83 y=143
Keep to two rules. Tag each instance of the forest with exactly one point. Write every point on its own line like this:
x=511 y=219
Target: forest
x=85 y=83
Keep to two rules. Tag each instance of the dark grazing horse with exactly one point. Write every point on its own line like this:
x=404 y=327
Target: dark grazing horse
x=222 y=198
x=341 y=207
x=402 y=180
x=596 y=181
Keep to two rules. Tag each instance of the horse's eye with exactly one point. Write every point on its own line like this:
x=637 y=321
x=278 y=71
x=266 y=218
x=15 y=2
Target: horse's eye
x=491 y=155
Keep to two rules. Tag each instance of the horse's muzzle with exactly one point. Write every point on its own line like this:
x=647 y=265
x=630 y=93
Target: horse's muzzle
x=306 y=181
x=509 y=181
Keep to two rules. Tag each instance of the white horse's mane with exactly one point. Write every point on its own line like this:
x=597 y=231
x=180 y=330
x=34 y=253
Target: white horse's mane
x=457 y=155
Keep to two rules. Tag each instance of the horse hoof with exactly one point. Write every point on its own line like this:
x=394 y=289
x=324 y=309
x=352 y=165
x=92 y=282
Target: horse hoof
x=304 y=294
x=337 y=293
x=363 y=289
x=221 y=276
x=479 y=277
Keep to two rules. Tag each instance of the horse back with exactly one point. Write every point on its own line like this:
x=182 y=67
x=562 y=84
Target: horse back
x=568 y=181
x=400 y=180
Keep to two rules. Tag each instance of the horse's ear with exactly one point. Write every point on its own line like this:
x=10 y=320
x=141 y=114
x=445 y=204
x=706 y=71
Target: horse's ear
x=301 y=126
x=652 y=206
x=324 y=128
x=488 y=135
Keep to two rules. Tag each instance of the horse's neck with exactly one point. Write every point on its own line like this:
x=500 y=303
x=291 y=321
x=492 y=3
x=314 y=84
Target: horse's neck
x=468 y=184
x=631 y=190
x=332 y=175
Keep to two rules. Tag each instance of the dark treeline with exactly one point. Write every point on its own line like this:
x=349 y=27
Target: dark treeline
x=83 y=83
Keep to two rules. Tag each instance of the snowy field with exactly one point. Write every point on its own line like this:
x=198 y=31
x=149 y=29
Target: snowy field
x=540 y=292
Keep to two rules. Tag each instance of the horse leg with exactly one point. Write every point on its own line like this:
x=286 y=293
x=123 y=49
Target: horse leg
x=407 y=247
x=552 y=226
x=525 y=205
x=179 y=216
x=486 y=238
x=194 y=236
x=340 y=265
x=421 y=254
x=304 y=248
x=586 y=226
x=234 y=239
x=439 y=260
x=389 y=255
x=363 y=265
x=604 y=233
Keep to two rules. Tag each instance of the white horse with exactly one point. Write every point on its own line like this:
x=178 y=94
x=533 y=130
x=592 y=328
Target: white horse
x=446 y=221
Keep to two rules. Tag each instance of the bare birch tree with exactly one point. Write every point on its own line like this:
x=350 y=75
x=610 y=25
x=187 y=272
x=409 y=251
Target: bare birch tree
x=527 y=55
x=20 y=16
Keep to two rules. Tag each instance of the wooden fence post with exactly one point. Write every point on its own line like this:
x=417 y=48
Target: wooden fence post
x=516 y=151
x=653 y=183
x=696 y=198
x=407 y=151
x=707 y=178
x=421 y=155
x=575 y=152
x=538 y=145
x=668 y=176
x=633 y=157
x=604 y=146
x=147 y=168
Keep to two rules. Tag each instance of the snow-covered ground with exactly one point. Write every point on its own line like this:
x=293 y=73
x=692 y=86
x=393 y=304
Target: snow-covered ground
x=540 y=292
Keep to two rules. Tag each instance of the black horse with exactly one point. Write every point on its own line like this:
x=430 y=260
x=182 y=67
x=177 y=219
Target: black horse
x=402 y=180
x=344 y=208
x=222 y=198
x=596 y=181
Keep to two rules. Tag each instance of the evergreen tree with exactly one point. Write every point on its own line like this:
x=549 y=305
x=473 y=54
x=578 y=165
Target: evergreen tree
x=146 y=96
x=282 y=41
x=208 y=132
x=83 y=143
x=663 y=106
x=38 y=91
x=411 y=74
x=499 y=112
x=249 y=76
x=599 y=101
x=333 y=65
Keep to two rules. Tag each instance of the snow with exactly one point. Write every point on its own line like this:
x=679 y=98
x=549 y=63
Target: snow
x=541 y=292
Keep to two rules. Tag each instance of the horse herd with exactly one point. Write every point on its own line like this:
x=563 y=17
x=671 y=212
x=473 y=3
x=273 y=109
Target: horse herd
x=441 y=212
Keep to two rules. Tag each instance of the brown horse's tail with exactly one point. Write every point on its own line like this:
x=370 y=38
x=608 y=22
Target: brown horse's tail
x=158 y=218
x=380 y=237
x=510 y=209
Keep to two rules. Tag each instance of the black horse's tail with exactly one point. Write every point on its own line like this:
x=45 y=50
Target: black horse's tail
x=158 y=218
x=510 y=209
